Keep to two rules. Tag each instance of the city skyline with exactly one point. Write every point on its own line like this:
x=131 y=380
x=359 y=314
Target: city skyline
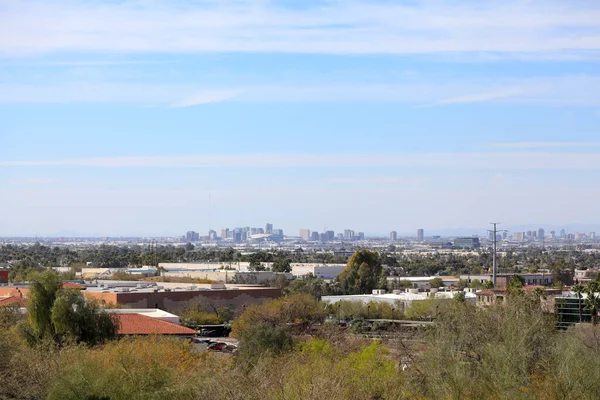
x=374 y=114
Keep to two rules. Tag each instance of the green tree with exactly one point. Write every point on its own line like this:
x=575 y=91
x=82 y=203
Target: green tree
x=461 y=284
x=476 y=284
x=592 y=300
x=460 y=297
x=44 y=288
x=515 y=284
x=82 y=321
x=58 y=313
x=256 y=266
x=282 y=265
x=362 y=272
x=436 y=283
x=263 y=340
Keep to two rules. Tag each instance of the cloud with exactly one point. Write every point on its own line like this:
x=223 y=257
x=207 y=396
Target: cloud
x=489 y=96
x=485 y=160
x=205 y=98
x=339 y=27
x=560 y=90
x=532 y=145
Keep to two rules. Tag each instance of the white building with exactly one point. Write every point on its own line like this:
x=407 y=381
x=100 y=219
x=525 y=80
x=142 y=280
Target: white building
x=398 y=297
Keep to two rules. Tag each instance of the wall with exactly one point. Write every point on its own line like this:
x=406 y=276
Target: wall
x=175 y=301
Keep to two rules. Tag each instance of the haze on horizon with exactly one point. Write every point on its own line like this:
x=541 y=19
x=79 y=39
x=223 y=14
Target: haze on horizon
x=122 y=118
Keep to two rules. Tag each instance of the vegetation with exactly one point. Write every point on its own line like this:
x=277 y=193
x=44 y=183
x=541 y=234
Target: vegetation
x=503 y=351
x=63 y=314
x=362 y=274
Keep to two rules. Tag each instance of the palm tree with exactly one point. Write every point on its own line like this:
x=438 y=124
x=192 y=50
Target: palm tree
x=579 y=289
x=592 y=301
x=538 y=295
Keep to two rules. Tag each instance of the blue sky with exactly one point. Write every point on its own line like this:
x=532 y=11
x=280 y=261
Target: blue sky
x=122 y=117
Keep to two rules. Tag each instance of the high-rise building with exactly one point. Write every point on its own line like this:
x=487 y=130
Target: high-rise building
x=552 y=235
x=329 y=236
x=504 y=235
x=361 y=236
x=269 y=229
x=224 y=233
x=237 y=234
x=192 y=236
x=348 y=234
x=518 y=236
x=534 y=234
x=420 y=235
x=393 y=235
x=541 y=234
x=491 y=236
x=340 y=236
x=593 y=236
x=212 y=235
x=563 y=234
x=278 y=234
x=314 y=236
x=305 y=233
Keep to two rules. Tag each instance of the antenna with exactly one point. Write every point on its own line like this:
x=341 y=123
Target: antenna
x=209 y=227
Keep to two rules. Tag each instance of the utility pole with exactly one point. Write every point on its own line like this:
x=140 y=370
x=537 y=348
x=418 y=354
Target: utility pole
x=494 y=269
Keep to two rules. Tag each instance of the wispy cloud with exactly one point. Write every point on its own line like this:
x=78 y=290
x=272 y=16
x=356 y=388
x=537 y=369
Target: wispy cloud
x=205 y=98
x=539 y=145
x=560 y=90
x=489 y=96
x=481 y=160
x=508 y=27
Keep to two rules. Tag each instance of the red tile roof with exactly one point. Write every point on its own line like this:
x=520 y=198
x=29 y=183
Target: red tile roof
x=72 y=285
x=137 y=324
x=12 y=300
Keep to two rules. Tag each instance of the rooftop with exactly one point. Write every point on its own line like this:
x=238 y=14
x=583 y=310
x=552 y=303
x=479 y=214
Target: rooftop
x=137 y=324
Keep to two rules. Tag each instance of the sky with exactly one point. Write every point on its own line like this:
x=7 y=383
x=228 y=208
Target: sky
x=152 y=118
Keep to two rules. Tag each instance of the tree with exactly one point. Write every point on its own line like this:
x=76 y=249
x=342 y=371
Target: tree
x=579 y=289
x=82 y=321
x=263 y=340
x=515 y=284
x=43 y=291
x=362 y=272
x=436 y=283
x=460 y=297
x=476 y=284
x=256 y=266
x=461 y=284
x=282 y=265
x=592 y=300
x=57 y=313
